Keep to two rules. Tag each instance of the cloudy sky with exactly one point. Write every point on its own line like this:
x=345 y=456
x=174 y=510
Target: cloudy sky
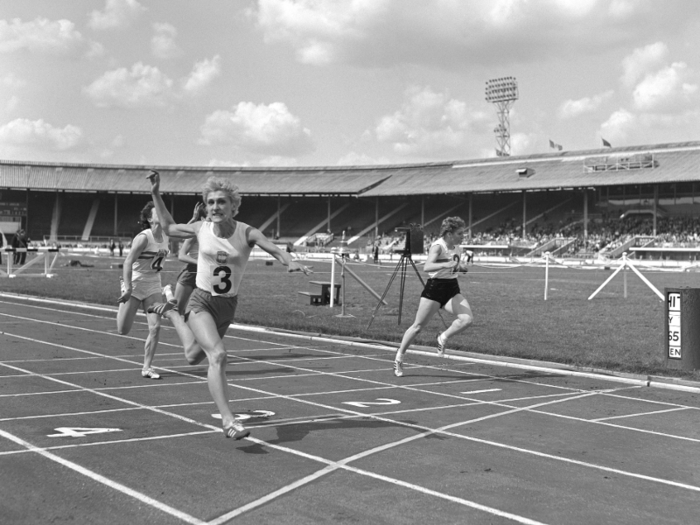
x=339 y=82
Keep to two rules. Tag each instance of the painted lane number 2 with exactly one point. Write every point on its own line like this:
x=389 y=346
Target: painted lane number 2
x=379 y=401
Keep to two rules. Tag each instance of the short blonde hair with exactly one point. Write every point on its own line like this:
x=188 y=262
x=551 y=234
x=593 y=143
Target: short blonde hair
x=451 y=225
x=225 y=185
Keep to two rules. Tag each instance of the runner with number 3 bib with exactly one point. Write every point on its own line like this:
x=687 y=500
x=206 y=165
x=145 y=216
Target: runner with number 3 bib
x=141 y=286
x=224 y=248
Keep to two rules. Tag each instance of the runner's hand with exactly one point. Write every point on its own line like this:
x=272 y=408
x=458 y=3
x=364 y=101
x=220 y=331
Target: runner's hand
x=154 y=177
x=298 y=267
x=123 y=298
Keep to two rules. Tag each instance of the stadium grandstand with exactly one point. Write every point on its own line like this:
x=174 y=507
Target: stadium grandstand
x=593 y=203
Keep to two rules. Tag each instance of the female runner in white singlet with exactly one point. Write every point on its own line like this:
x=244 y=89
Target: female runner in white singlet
x=224 y=248
x=441 y=291
x=141 y=286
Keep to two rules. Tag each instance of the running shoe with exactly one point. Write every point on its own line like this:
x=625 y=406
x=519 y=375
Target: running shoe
x=149 y=373
x=440 y=346
x=236 y=430
x=162 y=308
x=398 y=368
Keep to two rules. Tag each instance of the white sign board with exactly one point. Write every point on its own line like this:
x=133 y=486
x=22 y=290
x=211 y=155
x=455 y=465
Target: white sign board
x=674 y=325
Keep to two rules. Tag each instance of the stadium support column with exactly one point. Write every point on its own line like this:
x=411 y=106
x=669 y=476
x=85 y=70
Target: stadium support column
x=524 y=214
x=585 y=214
x=376 y=217
x=116 y=216
x=470 y=215
x=422 y=210
x=279 y=214
x=329 y=213
x=656 y=205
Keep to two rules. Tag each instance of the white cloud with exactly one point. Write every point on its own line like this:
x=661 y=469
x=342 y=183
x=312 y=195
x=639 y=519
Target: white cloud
x=448 y=32
x=574 y=108
x=116 y=14
x=11 y=81
x=202 y=75
x=666 y=90
x=163 y=42
x=227 y=163
x=260 y=129
x=40 y=35
x=618 y=126
x=361 y=159
x=12 y=103
x=430 y=123
x=642 y=61
x=140 y=87
x=25 y=133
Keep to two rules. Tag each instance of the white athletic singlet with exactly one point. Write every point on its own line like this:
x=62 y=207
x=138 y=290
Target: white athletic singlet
x=221 y=262
x=445 y=255
x=150 y=262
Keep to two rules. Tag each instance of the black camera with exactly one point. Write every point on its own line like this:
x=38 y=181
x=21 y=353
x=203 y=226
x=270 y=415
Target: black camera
x=414 y=238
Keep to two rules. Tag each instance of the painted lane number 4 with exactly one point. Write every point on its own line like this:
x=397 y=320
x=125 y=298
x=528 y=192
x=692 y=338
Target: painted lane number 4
x=379 y=401
x=78 y=432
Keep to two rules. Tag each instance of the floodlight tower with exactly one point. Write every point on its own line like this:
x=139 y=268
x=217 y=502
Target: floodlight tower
x=502 y=92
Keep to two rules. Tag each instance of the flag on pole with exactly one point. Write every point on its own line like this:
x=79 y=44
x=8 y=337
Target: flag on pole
x=553 y=145
x=606 y=144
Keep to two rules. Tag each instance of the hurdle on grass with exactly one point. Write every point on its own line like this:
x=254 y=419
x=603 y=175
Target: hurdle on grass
x=626 y=263
x=340 y=258
x=42 y=254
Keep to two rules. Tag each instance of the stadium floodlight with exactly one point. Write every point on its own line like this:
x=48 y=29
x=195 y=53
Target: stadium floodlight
x=502 y=92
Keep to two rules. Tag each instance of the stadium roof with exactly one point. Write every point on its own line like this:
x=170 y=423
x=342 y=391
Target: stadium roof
x=656 y=164
x=663 y=163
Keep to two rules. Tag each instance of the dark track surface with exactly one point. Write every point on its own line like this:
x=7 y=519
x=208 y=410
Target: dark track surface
x=84 y=439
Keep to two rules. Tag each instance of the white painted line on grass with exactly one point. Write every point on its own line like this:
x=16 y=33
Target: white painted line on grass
x=482 y=391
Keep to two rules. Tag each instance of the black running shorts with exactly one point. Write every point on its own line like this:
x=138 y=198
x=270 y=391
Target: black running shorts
x=440 y=290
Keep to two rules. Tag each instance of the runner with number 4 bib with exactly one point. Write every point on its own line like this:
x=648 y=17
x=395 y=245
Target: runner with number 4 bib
x=140 y=284
x=224 y=248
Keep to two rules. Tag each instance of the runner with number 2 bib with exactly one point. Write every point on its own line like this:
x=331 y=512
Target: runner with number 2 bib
x=224 y=248
x=141 y=286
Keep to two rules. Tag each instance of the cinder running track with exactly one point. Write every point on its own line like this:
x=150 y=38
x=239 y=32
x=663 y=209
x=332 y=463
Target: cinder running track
x=336 y=438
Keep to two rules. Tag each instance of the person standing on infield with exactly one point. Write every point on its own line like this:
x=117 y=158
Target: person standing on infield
x=441 y=290
x=224 y=248
x=140 y=284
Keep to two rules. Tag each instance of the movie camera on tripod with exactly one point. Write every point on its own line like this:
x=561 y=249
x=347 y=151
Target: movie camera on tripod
x=414 y=241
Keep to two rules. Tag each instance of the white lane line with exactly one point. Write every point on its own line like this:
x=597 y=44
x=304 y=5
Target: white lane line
x=499 y=444
x=638 y=414
x=105 y=481
x=481 y=391
x=425 y=429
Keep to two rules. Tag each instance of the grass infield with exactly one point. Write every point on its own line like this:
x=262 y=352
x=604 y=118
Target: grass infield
x=511 y=317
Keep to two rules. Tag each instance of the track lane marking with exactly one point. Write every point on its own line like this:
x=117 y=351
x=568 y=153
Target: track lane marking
x=182 y=516
x=426 y=430
x=524 y=408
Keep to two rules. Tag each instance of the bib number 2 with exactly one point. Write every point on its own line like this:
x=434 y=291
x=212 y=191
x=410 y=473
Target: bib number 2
x=223 y=274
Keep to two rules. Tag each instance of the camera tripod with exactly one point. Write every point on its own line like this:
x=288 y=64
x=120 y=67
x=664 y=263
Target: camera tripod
x=401 y=268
